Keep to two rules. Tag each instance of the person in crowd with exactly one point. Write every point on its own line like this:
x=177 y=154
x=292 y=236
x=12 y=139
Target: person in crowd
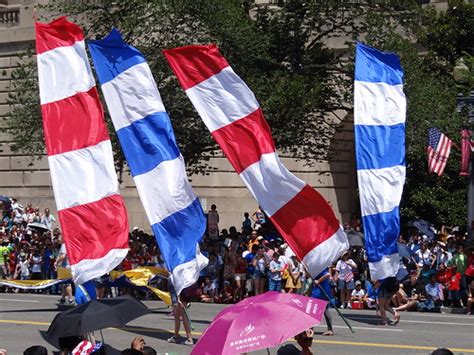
x=358 y=294
x=434 y=294
x=36 y=261
x=454 y=286
x=209 y=291
x=227 y=293
x=246 y=224
x=48 y=219
x=23 y=268
x=253 y=240
x=240 y=277
x=274 y=276
x=36 y=350
x=229 y=263
x=293 y=282
x=345 y=278
x=469 y=274
x=423 y=255
x=259 y=218
x=260 y=263
x=5 y=250
x=304 y=340
x=213 y=223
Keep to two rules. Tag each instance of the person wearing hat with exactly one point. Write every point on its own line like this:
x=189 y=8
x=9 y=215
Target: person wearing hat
x=23 y=267
x=345 y=278
x=358 y=294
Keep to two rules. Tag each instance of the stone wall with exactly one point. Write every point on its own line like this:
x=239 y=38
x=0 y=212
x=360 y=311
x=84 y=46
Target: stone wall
x=29 y=180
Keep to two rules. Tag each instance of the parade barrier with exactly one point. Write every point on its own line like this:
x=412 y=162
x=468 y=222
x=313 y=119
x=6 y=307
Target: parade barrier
x=137 y=278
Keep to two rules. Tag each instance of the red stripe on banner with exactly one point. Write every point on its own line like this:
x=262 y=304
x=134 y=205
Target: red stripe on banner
x=65 y=126
x=194 y=64
x=58 y=33
x=305 y=221
x=92 y=230
x=245 y=140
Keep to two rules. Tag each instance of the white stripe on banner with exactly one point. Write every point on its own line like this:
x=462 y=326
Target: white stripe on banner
x=380 y=190
x=84 y=175
x=132 y=95
x=222 y=99
x=160 y=202
x=64 y=72
x=388 y=266
x=271 y=183
x=379 y=104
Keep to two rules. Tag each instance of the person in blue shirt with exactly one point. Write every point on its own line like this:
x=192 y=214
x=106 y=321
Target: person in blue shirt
x=321 y=290
x=85 y=292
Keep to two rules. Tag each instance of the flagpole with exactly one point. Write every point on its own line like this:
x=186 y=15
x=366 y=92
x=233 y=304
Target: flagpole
x=329 y=300
x=337 y=310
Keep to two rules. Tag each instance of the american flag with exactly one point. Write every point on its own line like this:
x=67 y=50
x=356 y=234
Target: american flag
x=439 y=147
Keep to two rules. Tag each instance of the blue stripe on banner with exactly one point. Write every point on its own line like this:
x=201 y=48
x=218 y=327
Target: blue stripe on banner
x=178 y=234
x=375 y=66
x=112 y=56
x=381 y=231
x=380 y=147
x=148 y=142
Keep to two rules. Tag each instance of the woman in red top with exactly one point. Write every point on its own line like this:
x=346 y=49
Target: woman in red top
x=470 y=280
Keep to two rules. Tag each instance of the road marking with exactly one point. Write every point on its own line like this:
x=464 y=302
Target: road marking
x=9 y=321
x=382 y=345
x=10 y=300
x=317 y=341
x=363 y=328
x=416 y=321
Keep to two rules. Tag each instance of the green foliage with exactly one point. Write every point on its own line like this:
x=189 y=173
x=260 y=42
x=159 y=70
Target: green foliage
x=294 y=57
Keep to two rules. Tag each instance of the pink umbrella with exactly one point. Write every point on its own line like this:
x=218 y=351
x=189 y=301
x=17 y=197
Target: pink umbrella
x=259 y=322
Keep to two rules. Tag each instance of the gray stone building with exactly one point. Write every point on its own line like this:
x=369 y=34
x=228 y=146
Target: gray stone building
x=29 y=180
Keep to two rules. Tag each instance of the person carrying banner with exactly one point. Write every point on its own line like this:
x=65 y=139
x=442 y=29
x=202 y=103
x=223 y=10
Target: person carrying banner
x=180 y=315
x=387 y=288
x=322 y=289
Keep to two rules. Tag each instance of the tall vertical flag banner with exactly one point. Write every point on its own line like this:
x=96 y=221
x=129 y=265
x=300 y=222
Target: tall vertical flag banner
x=231 y=112
x=438 y=150
x=379 y=126
x=91 y=212
x=466 y=148
x=148 y=142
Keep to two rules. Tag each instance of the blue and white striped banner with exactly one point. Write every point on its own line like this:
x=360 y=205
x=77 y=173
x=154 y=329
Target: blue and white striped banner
x=379 y=125
x=148 y=142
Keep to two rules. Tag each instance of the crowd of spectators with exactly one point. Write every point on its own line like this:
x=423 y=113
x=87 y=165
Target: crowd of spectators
x=253 y=258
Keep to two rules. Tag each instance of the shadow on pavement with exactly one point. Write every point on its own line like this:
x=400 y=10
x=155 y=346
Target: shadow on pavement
x=363 y=318
x=30 y=310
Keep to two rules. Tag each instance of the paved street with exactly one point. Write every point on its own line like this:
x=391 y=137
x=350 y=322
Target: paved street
x=24 y=318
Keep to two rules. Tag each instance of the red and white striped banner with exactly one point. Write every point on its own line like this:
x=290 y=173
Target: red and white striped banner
x=91 y=212
x=231 y=112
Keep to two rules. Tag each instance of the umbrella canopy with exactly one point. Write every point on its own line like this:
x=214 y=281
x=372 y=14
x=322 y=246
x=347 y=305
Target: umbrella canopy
x=404 y=251
x=38 y=225
x=96 y=314
x=259 y=322
x=424 y=227
x=356 y=239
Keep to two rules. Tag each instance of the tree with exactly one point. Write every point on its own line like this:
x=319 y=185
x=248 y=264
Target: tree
x=279 y=52
x=286 y=55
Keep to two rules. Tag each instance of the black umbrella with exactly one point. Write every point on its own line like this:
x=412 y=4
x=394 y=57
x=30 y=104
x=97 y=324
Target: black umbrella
x=96 y=314
x=356 y=239
x=424 y=227
x=38 y=225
